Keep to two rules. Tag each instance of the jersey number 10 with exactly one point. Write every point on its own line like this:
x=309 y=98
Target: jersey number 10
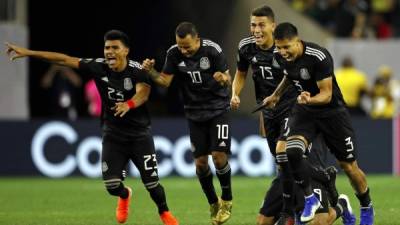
x=196 y=76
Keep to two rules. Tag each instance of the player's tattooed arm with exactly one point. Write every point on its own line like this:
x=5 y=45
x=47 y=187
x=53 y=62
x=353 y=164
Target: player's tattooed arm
x=223 y=78
x=271 y=100
x=160 y=78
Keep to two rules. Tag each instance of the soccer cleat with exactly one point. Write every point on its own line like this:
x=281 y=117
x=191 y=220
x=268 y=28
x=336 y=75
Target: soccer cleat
x=331 y=186
x=224 y=212
x=285 y=219
x=214 y=208
x=123 y=207
x=168 y=219
x=367 y=215
x=348 y=217
x=311 y=204
x=297 y=220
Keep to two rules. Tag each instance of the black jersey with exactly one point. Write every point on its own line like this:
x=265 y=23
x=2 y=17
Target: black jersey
x=119 y=87
x=315 y=64
x=203 y=97
x=267 y=75
x=318 y=153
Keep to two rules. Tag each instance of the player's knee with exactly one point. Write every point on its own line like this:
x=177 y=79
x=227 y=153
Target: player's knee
x=114 y=186
x=295 y=149
x=263 y=220
x=349 y=167
x=201 y=165
x=219 y=159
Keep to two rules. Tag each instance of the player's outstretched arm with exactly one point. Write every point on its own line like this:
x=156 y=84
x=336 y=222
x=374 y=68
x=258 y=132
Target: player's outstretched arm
x=237 y=86
x=160 y=78
x=141 y=96
x=15 y=52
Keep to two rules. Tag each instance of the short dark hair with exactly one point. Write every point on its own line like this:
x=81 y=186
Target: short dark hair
x=112 y=35
x=285 y=31
x=185 y=28
x=264 y=11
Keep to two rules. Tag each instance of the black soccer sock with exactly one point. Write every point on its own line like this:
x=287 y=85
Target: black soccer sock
x=158 y=195
x=224 y=177
x=124 y=193
x=206 y=182
x=116 y=187
x=294 y=151
x=365 y=199
x=339 y=208
x=286 y=182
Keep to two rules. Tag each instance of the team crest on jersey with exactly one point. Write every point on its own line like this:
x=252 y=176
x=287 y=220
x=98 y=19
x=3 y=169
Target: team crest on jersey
x=304 y=74
x=275 y=63
x=104 y=167
x=128 y=84
x=204 y=63
x=254 y=60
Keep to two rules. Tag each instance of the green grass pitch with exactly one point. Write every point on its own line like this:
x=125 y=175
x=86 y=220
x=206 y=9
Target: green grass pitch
x=84 y=201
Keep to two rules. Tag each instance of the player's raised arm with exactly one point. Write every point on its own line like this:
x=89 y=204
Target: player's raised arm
x=160 y=78
x=237 y=86
x=15 y=52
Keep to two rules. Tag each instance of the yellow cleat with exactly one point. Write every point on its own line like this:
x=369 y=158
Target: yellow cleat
x=214 y=208
x=224 y=212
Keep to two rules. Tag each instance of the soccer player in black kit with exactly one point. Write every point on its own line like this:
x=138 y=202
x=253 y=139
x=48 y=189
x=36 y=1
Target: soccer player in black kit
x=257 y=52
x=321 y=109
x=202 y=72
x=322 y=180
x=124 y=88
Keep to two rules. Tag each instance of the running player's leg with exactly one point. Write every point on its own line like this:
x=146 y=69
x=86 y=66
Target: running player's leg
x=340 y=138
x=143 y=156
x=276 y=131
x=200 y=151
x=114 y=160
x=302 y=130
x=220 y=144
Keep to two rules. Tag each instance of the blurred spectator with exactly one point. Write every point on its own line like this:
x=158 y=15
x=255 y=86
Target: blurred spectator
x=62 y=85
x=93 y=98
x=351 y=19
x=354 y=18
x=353 y=84
x=385 y=94
x=381 y=28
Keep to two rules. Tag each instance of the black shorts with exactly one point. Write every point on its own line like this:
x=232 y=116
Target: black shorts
x=276 y=129
x=116 y=154
x=273 y=200
x=210 y=135
x=336 y=130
